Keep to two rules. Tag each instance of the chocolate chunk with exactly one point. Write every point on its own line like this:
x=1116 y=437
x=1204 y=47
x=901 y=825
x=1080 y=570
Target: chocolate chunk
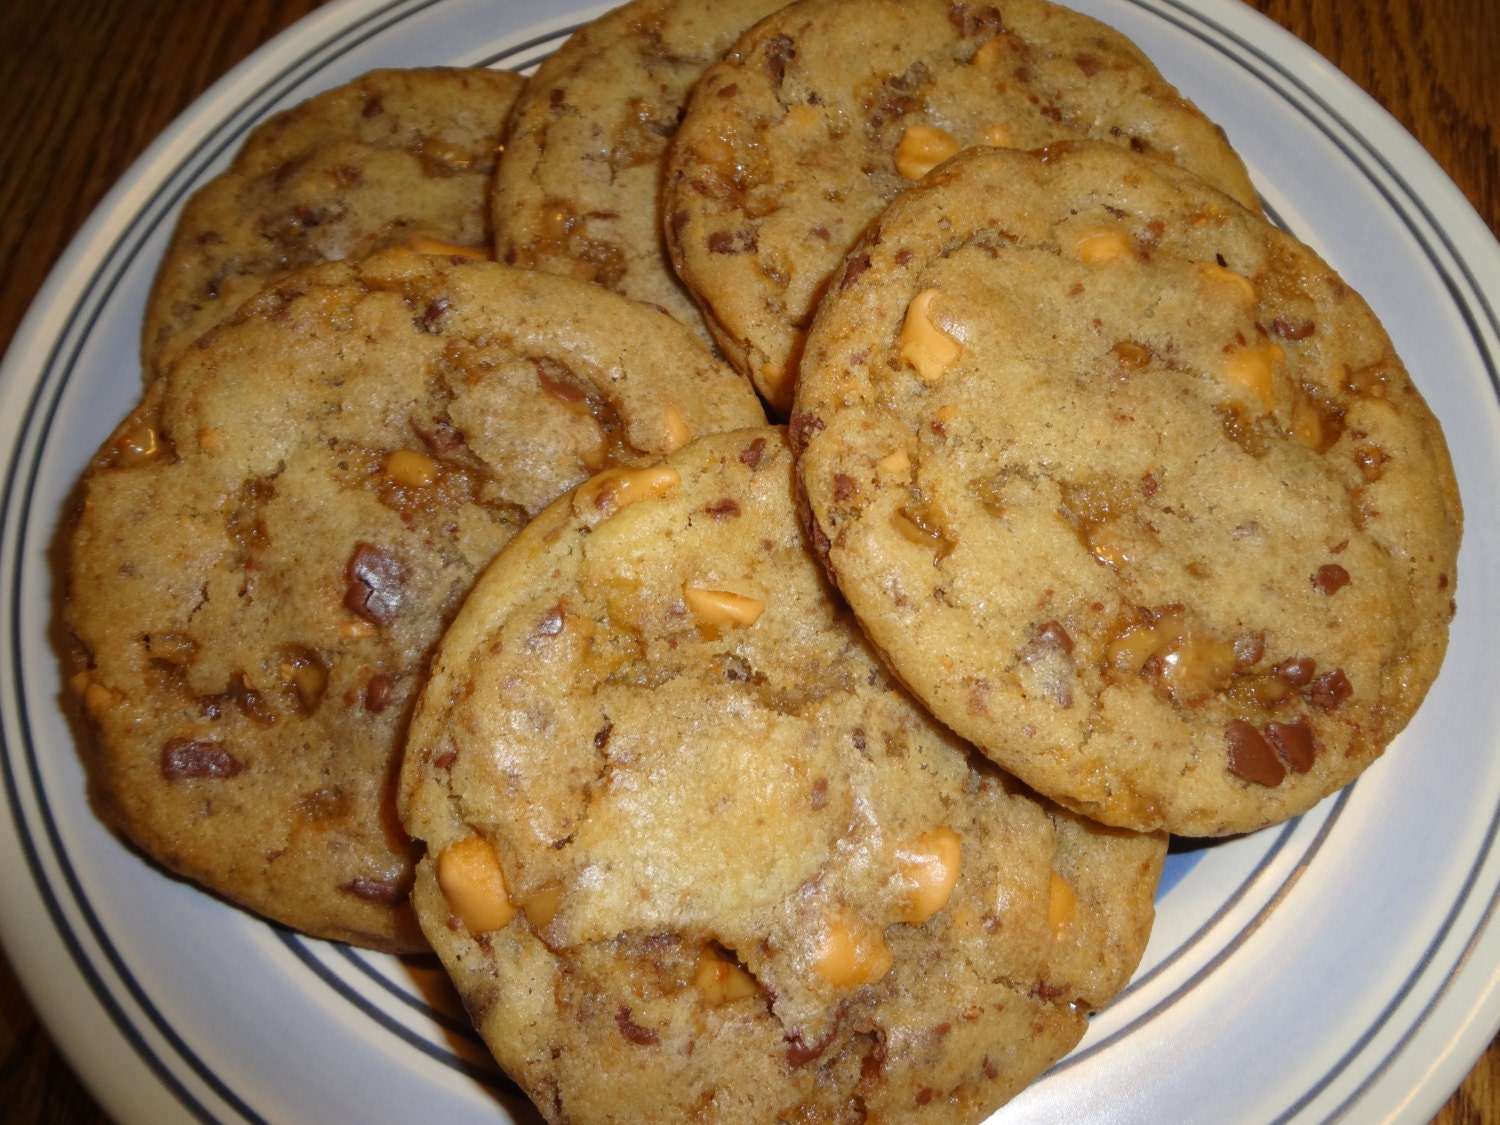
x=1330 y=579
x=251 y=702
x=1251 y=756
x=376 y=584
x=1331 y=689
x=383 y=892
x=800 y=428
x=1052 y=633
x=778 y=51
x=751 y=455
x=198 y=758
x=1296 y=672
x=731 y=242
x=1294 y=744
x=379 y=692
x=1289 y=331
x=433 y=313
x=799 y=1052
x=632 y=1031
x=857 y=265
x=552 y=622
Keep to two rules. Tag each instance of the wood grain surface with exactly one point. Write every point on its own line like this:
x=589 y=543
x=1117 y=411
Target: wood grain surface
x=87 y=84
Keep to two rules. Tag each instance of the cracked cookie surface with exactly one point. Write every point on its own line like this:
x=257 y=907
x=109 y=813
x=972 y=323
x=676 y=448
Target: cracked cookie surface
x=269 y=546
x=692 y=854
x=578 y=192
x=828 y=109
x=1130 y=488
x=391 y=156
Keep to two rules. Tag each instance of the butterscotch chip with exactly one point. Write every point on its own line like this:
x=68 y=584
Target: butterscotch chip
x=771 y=887
x=396 y=157
x=826 y=110
x=578 y=192
x=1116 y=556
x=258 y=611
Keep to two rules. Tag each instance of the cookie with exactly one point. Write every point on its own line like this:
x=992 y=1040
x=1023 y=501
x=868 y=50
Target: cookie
x=1130 y=488
x=270 y=545
x=578 y=192
x=393 y=156
x=693 y=855
x=827 y=110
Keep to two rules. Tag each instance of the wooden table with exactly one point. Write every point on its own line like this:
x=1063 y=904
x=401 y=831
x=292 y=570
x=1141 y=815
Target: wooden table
x=89 y=83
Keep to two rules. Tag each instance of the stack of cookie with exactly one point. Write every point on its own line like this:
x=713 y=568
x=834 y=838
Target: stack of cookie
x=735 y=771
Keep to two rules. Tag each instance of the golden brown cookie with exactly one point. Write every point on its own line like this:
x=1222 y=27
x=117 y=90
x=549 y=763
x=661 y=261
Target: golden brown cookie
x=578 y=192
x=692 y=855
x=270 y=545
x=828 y=109
x=1130 y=488
x=393 y=156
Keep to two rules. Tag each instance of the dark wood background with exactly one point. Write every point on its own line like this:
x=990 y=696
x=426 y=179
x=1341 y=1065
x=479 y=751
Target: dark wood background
x=87 y=84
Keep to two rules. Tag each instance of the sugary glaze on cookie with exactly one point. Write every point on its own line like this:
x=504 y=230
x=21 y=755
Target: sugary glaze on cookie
x=691 y=855
x=270 y=545
x=827 y=110
x=392 y=157
x=1130 y=487
x=578 y=192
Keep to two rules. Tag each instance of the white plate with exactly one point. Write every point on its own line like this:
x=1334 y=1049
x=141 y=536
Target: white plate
x=1341 y=967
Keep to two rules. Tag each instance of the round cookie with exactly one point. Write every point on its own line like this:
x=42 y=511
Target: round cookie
x=1130 y=488
x=393 y=156
x=269 y=547
x=827 y=110
x=578 y=192
x=692 y=855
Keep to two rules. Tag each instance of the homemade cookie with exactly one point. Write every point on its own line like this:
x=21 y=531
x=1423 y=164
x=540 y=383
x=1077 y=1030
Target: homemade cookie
x=578 y=192
x=1129 y=487
x=393 y=156
x=692 y=855
x=828 y=109
x=270 y=545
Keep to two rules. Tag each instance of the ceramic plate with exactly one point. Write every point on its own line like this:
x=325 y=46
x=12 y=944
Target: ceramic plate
x=1343 y=966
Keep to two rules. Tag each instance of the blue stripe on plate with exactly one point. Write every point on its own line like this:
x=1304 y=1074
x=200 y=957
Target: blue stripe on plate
x=490 y=1076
